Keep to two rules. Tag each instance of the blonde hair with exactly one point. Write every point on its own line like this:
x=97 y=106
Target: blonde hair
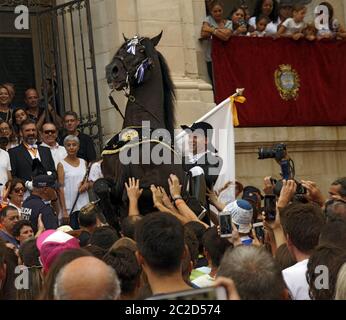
x=340 y=291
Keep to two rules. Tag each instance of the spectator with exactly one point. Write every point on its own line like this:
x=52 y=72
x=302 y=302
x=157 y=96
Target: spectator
x=88 y=223
x=338 y=189
x=19 y=115
x=190 y=259
x=335 y=209
x=37 y=204
x=8 y=218
x=214 y=26
x=7 y=135
x=325 y=262
x=214 y=247
x=333 y=233
x=239 y=24
x=96 y=171
x=162 y=263
x=268 y=8
x=254 y=272
x=86 y=149
x=98 y=281
x=29 y=258
x=302 y=224
x=126 y=266
x=126 y=243
x=103 y=237
x=242 y=212
x=49 y=135
x=22 y=231
x=72 y=173
x=340 y=290
x=128 y=225
x=5 y=100
x=283 y=257
x=261 y=25
x=8 y=263
x=198 y=229
x=34 y=111
x=5 y=169
x=12 y=91
x=14 y=193
x=51 y=244
x=294 y=27
x=63 y=259
x=22 y=157
x=285 y=10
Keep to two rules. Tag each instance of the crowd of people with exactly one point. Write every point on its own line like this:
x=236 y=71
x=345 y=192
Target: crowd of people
x=271 y=18
x=51 y=229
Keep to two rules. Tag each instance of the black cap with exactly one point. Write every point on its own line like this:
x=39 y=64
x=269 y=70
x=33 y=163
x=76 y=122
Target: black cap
x=45 y=181
x=204 y=127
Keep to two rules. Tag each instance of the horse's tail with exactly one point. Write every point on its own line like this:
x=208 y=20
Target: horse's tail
x=169 y=95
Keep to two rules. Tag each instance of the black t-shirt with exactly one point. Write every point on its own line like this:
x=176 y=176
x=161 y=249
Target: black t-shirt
x=34 y=206
x=86 y=148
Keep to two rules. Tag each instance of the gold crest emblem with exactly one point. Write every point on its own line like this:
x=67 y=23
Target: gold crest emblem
x=129 y=135
x=287 y=82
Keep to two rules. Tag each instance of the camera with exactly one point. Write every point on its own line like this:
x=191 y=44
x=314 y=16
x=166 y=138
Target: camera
x=278 y=152
x=225 y=222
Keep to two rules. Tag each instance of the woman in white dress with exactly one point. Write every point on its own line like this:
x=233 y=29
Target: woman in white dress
x=73 y=182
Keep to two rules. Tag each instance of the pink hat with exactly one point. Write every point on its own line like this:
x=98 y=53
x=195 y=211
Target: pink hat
x=53 y=242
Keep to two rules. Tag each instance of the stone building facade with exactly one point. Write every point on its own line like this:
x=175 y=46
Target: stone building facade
x=319 y=152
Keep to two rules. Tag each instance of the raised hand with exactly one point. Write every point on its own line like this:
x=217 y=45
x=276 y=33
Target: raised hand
x=133 y=190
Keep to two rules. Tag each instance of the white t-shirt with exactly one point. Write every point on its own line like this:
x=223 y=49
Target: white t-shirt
x=95 y=171
x=5 y=166
x=204 y=281
x=272 y=27
x=58 y=153
x=293 y=27
x=295 y=278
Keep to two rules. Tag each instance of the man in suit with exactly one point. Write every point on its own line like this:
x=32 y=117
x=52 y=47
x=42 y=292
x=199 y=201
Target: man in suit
x=27 y=153
x=202 y=153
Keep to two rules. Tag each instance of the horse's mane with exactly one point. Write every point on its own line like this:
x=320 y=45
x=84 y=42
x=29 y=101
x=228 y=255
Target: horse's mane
x=167 y=84
x=169 y=95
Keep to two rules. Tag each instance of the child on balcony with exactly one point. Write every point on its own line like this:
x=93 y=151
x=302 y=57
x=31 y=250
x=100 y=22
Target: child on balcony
x=261 y=25
x=294 y=27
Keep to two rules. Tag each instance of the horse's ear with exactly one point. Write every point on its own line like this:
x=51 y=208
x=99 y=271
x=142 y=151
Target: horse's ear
x=125 y=38
x=155 y=41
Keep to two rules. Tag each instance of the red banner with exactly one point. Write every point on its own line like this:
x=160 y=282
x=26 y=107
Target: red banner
x=287 y=82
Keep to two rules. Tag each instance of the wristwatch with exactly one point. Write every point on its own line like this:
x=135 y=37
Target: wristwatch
x=177 y=198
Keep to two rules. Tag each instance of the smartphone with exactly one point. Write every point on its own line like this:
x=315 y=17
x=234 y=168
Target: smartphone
x=211 y=293
x=225 y=222
x=259 y=230
x=270 y=207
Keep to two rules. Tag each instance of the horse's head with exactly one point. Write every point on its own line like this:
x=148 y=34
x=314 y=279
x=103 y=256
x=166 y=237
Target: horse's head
x=132 y=63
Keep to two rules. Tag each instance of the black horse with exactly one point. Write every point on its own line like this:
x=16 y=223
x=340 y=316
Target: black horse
x=142 y=72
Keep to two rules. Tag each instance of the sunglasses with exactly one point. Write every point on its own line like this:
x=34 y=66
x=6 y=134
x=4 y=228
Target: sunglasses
x=17 y=190
x=49 y=131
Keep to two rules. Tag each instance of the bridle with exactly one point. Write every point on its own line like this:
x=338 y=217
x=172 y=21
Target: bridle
x=140 y=69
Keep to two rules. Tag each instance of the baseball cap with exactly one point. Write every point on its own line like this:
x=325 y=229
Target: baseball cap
x=52 y=243
x=45 y=181
x=241 y=211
